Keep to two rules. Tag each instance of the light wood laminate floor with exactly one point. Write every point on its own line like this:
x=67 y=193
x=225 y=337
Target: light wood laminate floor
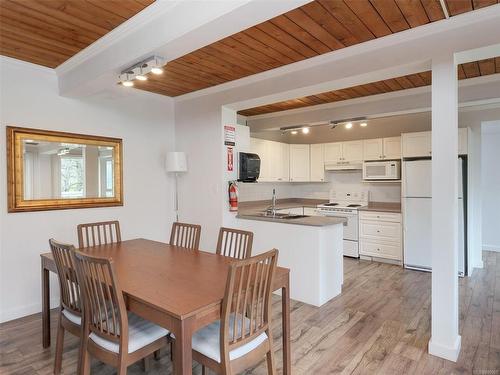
x=380 y=324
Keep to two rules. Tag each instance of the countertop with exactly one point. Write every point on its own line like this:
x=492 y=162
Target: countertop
x=249 y=211
x=382 y=207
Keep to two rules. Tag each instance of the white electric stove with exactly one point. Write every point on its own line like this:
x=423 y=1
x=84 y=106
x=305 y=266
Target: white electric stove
x=345 y=203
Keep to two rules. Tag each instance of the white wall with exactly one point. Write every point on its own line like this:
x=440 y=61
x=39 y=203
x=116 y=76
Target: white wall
x=490 y=185
x=29 y=98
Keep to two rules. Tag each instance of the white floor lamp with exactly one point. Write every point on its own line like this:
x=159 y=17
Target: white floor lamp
x=176 y=163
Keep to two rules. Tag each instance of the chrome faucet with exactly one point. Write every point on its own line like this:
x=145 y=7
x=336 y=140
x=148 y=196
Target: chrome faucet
x=272 y=209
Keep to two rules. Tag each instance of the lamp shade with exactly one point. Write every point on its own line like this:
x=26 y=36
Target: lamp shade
x=176 y=162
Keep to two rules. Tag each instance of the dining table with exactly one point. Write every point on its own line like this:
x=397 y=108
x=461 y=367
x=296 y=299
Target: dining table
x=177 y=288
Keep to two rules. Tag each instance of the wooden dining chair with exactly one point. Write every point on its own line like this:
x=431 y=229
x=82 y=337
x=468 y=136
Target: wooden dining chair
x=234 y=243
x=109 y=333
x=101 y=233
x=70 y=313
x=243 y=335
x=185 y=235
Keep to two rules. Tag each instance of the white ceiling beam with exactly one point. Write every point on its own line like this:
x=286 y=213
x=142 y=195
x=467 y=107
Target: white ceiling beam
x=167 y=28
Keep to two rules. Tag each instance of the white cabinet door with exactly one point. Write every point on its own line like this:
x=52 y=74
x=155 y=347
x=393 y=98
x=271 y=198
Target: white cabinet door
x=352 y=151
x=279 y=161
x=299 y=163
x=317 y=163
x=333 y=152
x=416 y=144
x=261 y=148
x=392 y=148
x=373 y=149
x=462 y=141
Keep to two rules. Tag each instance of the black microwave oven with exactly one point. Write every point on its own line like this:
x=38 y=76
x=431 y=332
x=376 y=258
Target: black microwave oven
x=249 y=167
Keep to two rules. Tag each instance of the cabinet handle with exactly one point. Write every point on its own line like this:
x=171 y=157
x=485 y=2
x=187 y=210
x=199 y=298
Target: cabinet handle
x=378 y=231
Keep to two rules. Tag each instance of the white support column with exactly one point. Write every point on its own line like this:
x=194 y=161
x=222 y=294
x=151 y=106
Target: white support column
x=445 y=340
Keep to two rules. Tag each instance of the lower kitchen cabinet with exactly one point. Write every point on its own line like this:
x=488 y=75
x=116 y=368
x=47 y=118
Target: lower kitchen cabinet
x=380 y=235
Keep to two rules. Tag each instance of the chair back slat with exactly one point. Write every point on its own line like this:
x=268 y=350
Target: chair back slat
x=234 y=243
x=185 y=235
x=246 y=308
x=68 y=283
x=101 y=233
x=103 y=301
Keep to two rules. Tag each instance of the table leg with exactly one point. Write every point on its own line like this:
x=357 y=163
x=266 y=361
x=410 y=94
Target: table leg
x=183 y=355
x=45 y=308
x=285 y=306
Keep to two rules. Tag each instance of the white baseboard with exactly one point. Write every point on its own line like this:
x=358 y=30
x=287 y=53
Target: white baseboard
x=446 y=352
x=21 y=311
x=491 y=248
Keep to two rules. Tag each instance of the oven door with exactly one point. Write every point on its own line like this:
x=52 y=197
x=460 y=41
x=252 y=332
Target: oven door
x=350 y=227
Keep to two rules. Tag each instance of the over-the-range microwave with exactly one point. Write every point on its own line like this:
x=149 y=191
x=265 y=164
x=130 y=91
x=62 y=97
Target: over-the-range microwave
x=382 y=170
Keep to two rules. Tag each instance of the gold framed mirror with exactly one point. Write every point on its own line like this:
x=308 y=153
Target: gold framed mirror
x=49 y=170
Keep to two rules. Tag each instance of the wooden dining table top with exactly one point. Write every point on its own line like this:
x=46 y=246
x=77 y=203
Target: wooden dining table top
x=171 y=279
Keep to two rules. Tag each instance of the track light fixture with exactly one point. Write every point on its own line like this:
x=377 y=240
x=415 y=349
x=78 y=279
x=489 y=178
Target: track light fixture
x=139 y=71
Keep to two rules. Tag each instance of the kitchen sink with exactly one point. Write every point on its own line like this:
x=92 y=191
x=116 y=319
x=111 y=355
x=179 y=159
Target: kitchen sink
x=281 y=215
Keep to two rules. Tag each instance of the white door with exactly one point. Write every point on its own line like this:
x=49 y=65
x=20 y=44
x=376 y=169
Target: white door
x=373 y=149
x=317 y=163
x=333 y=152
x=392 y=148
x=416 y=144
x=299 y=163
x=352 y=152
x=417 y=179
x=418 y=231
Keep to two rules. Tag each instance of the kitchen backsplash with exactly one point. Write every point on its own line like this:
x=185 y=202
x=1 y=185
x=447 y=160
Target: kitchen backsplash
x=379 y=191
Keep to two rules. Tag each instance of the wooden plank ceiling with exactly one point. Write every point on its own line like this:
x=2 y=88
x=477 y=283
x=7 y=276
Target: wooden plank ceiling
x=313 y=29
x=49 y=32
x=468 y=70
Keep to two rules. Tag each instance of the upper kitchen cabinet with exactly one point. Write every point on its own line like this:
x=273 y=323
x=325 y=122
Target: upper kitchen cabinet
x=317 y=163
x=261 y=147
x=382 y=148
x=373 y=149
x=333 y=152
x=352 y=152
x=420 y=144
x=416 y=144
x=392 y=148
x=344 y=153
x=274 y=159
x=300 y=163
x=280 y=161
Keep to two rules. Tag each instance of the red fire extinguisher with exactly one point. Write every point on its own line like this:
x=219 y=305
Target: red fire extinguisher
x=233 y=196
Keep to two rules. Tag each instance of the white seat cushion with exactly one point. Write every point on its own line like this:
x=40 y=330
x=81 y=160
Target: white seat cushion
x=72 y=317
x=141 y=332
x=207 y=341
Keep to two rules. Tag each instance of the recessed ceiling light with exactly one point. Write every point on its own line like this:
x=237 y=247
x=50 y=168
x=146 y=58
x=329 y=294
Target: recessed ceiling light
x=363 y=124
x=348 y=125
x=128 y=83
x=157 y=70
x=305 y=130
x=294 y=132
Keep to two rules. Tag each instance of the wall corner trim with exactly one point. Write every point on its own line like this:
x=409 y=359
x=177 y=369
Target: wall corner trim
x=446 y=352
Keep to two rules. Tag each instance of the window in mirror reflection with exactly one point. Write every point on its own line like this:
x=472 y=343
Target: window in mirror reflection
x=55 y=170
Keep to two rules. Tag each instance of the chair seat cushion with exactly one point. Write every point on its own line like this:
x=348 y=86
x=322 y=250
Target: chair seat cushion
x=141 y=332
x=207 y=341
x=72 y=317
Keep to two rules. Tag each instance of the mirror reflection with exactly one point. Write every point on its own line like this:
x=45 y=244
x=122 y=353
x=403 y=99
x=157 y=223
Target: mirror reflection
x=55 y=170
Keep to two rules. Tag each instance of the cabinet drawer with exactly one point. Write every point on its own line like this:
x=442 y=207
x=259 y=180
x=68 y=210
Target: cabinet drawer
x=380 y=216
x=380 y=249
x=384 y=231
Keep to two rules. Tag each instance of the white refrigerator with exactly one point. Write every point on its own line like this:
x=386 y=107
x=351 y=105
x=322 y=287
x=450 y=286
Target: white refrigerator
x=417 y=211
